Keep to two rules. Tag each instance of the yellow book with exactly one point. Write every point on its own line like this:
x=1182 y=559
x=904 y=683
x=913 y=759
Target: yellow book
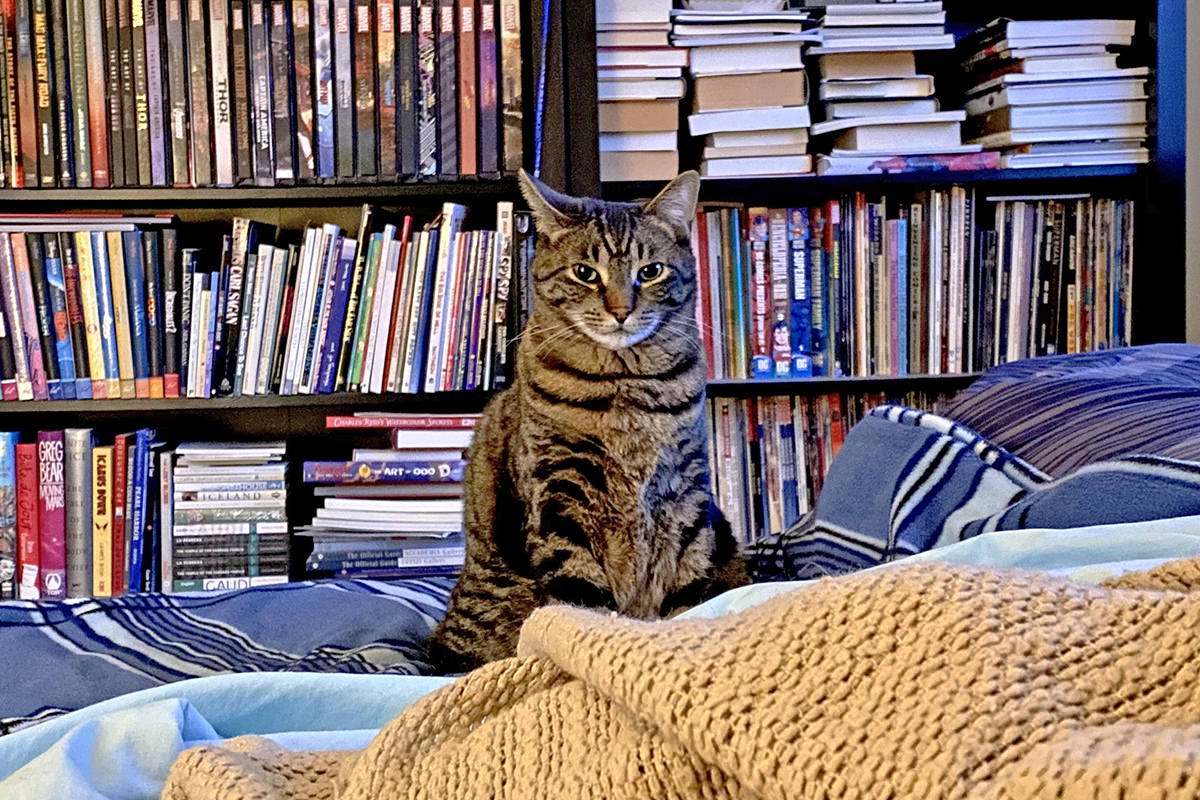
x=116 y=269
x=91 y=314
x=102 y=544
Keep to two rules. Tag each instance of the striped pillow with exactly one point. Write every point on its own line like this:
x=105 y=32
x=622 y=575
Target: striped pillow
x=1062 y=412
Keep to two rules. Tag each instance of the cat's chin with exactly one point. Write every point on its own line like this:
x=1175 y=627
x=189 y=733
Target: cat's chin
x=619 y=339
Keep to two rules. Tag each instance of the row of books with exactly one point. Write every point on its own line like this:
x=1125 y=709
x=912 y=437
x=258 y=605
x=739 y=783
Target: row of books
x=80 y=519
x=937 y=282
x=396 y=512
x=97 y=307
x=769 y=455
x=99 y=93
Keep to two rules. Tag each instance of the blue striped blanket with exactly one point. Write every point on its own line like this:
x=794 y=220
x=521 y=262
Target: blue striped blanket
x=63 y=656
x=906 y=481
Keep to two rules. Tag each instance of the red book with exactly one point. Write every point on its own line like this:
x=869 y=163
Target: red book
x=28 y=553
x=97 y=98
x=52 y=519
x=468 y=112
x=404 y=422
x=119 y=469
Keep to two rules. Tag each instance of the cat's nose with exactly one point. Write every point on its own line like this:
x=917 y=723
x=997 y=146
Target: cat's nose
x=620 y=314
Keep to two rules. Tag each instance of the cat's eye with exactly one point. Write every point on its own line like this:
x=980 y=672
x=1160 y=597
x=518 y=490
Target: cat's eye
x=650 y=272
x=586 y=274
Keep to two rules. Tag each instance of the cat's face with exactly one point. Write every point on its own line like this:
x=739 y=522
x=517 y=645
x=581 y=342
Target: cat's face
x=618 y=273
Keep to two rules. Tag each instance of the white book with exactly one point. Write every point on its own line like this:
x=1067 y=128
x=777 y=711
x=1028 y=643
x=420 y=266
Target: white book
x=739 y=58
x=449 y=505
x=848 y=109
x=884 y=44
x=452 y=220
x=222 y=93
x=761 y=165
x=632 y=38
x=199 y=330
x=1053 y=64
x=412 y=358
x=266 y=359
x=632 y=11
x=408 y=454
x=749 y=119
x=896 y=34
x=487 y=327
x=301 y=310
x=751 y=151
x=881 y=9
x=1057 y=77
x=900 y=18
x=1074 y=114
x=1057 y=93
x=637 y=73
x=1133 y=155
x=1026 y=136
x=406 y=280
x=327 y=257
x=721 y=39
x=456 y=439
x=624 y=142
x=1047 y=28
x=204 y=346
x=641 y=57
x=684 y=30
x=424 y=519
x=774 y=136
x=373 y=342
x=385 y=526
x=452 y=321
x=887 y=88
x=832 y=126
x=257 y=294
x=902 y=139
x=387 y=312
x=737 y=12
x=653 y=89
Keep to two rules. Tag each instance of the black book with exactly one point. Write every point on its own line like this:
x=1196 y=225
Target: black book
x=406 y=90
x=385 y=79
x=177 y=95
x=240 y=73
x=261 y=95
x=141 y=92
x=1049 y=280
x=1067 y=301
x=43 y=71
x=302 y=66
x=129 y=134
x=283 y=91
x=63 y=117
x=343 y=88
x=41 y=299
x=112 y=83
x=366 y=129
x=152 y=263
x=488 y=93
x=8 y=365
x=447 y=82
x=170 y=311
x=426 y=90
x=201 y=116
x=285 y=316
x=244 y=241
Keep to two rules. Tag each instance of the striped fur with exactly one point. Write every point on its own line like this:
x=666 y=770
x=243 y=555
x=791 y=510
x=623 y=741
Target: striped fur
x=588 y=482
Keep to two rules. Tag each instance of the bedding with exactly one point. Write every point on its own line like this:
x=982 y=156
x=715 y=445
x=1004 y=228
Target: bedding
x=906 y=481
x=78 y=652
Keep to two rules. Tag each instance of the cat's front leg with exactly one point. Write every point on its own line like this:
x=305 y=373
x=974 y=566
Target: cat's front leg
x=561 y=550
x=709 y=563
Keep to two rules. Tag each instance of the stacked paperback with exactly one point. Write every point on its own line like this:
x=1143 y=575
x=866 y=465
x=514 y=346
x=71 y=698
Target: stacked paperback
x=228 y=516
x=750 y=98
x=639 y=83
x=1049 y=93
x=394 y=513
x=196 y=93
x=874 y=104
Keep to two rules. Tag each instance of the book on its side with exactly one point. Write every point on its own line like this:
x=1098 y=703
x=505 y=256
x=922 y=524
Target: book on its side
x=77 y=491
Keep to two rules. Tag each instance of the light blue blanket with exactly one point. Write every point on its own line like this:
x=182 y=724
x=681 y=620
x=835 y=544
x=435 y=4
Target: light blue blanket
x=123 y=748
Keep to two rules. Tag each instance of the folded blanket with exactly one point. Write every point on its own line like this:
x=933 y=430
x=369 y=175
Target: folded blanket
x=916 y=682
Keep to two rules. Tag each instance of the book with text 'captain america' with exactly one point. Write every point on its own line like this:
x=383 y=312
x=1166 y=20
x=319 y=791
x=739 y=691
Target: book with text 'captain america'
x=262 y=96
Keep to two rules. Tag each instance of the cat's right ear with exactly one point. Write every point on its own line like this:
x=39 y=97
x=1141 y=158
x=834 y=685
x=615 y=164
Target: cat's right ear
x=552 y=210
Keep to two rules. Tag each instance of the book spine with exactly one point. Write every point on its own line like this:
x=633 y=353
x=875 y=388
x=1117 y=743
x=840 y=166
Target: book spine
x=129 y=134
x=104 y=310
x=819 y=296
x=60 y=83
x=302 y=69
x=418 y=331
x=253 y=321
x=135 y=281
x=273 y=298
x=102 y=520
x=322 y=302
x=121 y=316
x=166 y=519
x=77 y=490
x=188 y=259
x=385 y=64
x=323 y=87
x=428 y=144
x=489 y=91
x=89 y=311
x=154 y=94
x=27 y=96
x=141 y=97
x=261 y=95
x=504 y=247
x=201 y=112
x=111 y=40
x=447 y=82
x=29 y=332
x=353 y=298
x=120 y=476
x=52 y=552
x=240 y=68
x=331 y=347
x=760 y=356
x=283 y=336
x=60 y=323
x=82 y=53
x=407 y=90
x=282 y=92
x=237 y=352
x=230 y=323
x=385 y=472
x=169 y=311
x=43 y=68
x=343 y=81
x=28 y=550
x=363 y=314
x=366 y=128
x=222 y=90
x=15 y=172
x=8 y=516
x=151 y=264
x=468 y=112
x=75 y=320
x=178 y=122
x=393 y=252
x=137 y=512
x=512 y=121
x=45 y=318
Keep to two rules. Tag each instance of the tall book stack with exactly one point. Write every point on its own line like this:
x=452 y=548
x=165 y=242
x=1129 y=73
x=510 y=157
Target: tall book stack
x=873 y=102
x=228 y=516
x=1049 y=93
x=394 y=513
x=639 y=83
x=750 y=98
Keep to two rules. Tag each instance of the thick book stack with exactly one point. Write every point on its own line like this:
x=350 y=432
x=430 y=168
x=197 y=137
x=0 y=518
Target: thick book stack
x=227 y=516
x=639 y=83
x=393 y=513
x=750 y=98
x=1049 y=93
x=769 y=455
x=936 y=282
x=873 y=102
x=96 y=520
x=100 y=93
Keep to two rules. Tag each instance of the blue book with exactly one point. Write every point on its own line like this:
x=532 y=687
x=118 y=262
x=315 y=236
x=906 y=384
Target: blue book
x=210 y=335
x=104 y=308
x=337 y=317
x=821 y=292
x=8 y=514
x=740 y=330
x=327 y=253
x=902 y=284
x=56 y=285
x=140 y=509
x=787 y=468
x=135 y=286
x=803 y=303
x=323 y=78
x=397 y=471
x=424 y=311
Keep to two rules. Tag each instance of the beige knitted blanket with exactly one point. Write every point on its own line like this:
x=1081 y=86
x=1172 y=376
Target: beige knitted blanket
x=917 y=682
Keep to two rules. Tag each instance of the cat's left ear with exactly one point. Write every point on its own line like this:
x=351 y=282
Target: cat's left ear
x=552 y=210
x=676 y=204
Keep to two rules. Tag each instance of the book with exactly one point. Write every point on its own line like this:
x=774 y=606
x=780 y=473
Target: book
x=408 y=95
x=8 y=516
x=343 y=83
x=427 y=91
x=240 y=72
x=323 y=91
x=201 y=114
x=156 y=121
x=102 y=522
x=262 y=94
x=302 y=68
x=283 y=92
x=222 y=94
x=177 y=95
x=121 y=314
x=445 y=35
x=28 y=551
x=512 y=119
x=386 y=70
x=366 y=158
x=468 y=102
x=488 y=95
x=77 y=493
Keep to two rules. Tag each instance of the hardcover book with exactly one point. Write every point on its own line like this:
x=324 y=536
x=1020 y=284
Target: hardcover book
x=154 y=332
x=222 y=93
x=386 y=69
x=397 y=471
x=170 y=311
x=154 y=93
x=261 y=95
x=141 y=95
x=135 y=281
x=324 y=124
x=61 y=82
x=510 y=85
x=343 y=81
x=241 y=92
x=428 y=150
x=27 y=97
x=43 y=70
x=121 y=313
x=8 y=92
x=283 y=91
x=468 y=112
x=28 y=548
x=489 y=91
x=407 y=91
x=447 y=85
x=102 y=521
x=112 y=84
x=83 y=50
x=77 y=495
x=75 y=317
x=201 y=116
x=302 y=69
x=178 y=122
x=366 y=132
x=129 y=133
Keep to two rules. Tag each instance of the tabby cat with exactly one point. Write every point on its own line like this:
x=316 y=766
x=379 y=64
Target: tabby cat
x=588 y=481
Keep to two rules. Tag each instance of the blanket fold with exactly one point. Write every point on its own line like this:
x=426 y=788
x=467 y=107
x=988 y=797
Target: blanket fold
x=914 y=682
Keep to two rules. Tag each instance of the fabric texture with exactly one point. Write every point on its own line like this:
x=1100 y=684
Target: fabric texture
x=913 y=682
x=78 y=652
x=906 y=481
x=1063 y=412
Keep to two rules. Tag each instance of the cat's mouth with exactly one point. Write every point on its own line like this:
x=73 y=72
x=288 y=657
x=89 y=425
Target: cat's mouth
x=617 y=335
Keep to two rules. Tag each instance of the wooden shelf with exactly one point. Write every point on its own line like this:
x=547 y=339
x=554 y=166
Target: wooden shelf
x=849 y=383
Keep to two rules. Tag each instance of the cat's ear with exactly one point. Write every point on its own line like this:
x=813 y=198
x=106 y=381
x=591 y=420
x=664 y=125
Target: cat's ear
x=676 y=204
x=552 y=210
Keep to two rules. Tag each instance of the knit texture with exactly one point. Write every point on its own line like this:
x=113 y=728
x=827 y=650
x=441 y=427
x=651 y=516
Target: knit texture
x=930 y=681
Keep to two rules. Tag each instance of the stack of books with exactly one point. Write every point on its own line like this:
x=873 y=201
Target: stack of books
x=1049 y=93
x=196 y=93
x=229 y=516
x=393 y=513
x=874 y=103
x=111 y=307
x=750 y=98
x=639 y=83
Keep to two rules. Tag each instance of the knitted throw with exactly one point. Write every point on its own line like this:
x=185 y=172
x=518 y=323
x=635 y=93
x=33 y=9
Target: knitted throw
x=931 y=681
